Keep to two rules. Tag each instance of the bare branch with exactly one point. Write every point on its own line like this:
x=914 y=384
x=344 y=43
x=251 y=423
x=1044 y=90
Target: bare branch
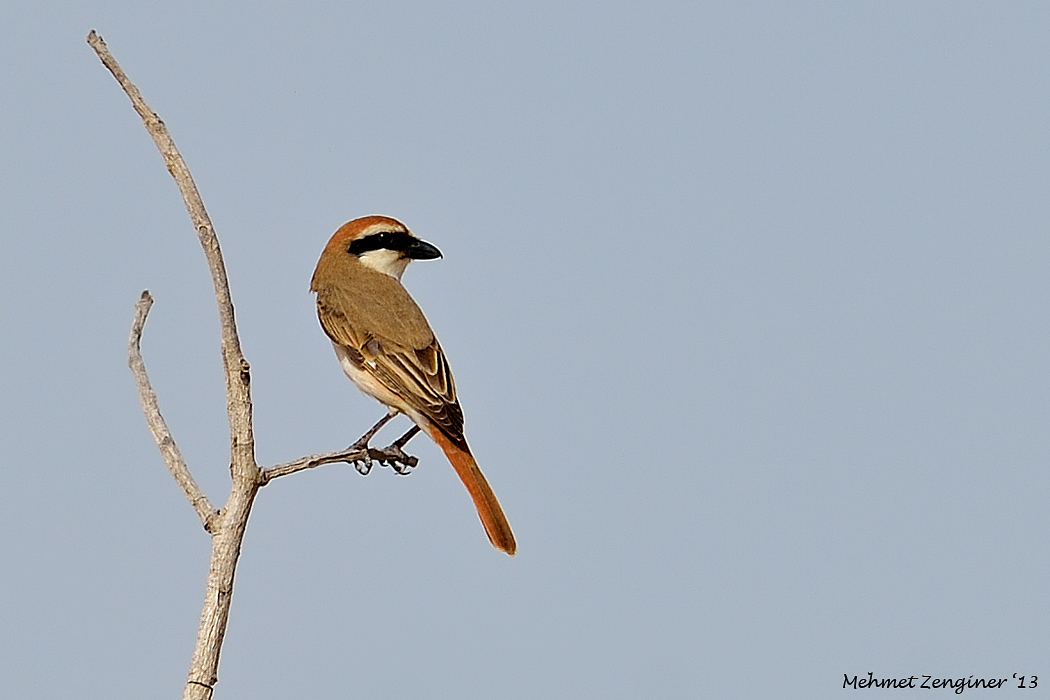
x=350 y=456
x=227 y=530
x=228 y=525
x=360 y=457
x=238 y=396
x=165 y=442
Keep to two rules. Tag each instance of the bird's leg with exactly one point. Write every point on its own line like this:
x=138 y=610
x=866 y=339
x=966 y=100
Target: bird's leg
x=396 y=457
x=364 y=465
x=362 y=442
x=403 y=440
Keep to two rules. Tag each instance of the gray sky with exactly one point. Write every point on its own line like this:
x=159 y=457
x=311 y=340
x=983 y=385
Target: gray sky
x=748 y=308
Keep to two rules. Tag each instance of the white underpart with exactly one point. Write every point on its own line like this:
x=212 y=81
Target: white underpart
x=374 y=388
x=389 y=262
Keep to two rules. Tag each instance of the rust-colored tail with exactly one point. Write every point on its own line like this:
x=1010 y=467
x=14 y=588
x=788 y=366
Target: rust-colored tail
x=492 y=517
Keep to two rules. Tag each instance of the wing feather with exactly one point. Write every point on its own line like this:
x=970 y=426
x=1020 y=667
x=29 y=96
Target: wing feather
x=420 y=376
x=425 y=382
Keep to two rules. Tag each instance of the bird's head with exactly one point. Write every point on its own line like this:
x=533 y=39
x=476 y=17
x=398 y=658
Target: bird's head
x=381 y=243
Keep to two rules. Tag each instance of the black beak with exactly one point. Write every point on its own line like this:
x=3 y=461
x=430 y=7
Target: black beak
x=421 y=250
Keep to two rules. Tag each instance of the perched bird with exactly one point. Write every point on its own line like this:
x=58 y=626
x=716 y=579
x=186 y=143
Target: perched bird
x=388 y=350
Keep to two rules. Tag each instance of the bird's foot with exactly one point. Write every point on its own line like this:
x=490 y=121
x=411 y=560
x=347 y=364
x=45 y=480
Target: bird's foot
x=394 y=457
x=362 y=461
x=360 y=454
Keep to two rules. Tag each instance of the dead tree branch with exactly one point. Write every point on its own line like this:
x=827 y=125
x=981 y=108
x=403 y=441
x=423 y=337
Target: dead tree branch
x=227 y=529
x=238 y=395
x=165 y=442
x=361 y=458
x=225 y=526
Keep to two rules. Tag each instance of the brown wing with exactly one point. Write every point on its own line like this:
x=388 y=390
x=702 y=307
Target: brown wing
x=420 y=376
x=423 y=378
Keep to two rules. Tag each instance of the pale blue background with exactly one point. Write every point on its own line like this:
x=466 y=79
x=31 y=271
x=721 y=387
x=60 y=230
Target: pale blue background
x=748 y=305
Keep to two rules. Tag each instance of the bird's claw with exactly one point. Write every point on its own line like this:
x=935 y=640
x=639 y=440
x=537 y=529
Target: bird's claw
x=396 y=458
x=363 y=466
x=392 y=456
x=362 y=460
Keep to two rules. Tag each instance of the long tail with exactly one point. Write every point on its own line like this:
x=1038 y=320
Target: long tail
x=492 y=517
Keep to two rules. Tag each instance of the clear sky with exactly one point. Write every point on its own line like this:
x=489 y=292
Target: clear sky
x=748 y=307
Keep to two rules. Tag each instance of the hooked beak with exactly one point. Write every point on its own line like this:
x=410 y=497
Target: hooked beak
x=421 y=250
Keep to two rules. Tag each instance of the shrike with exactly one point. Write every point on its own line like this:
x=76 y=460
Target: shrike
x=388 y=350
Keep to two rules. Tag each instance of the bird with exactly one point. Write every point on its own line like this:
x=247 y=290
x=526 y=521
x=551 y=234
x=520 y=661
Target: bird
x=387 y=348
